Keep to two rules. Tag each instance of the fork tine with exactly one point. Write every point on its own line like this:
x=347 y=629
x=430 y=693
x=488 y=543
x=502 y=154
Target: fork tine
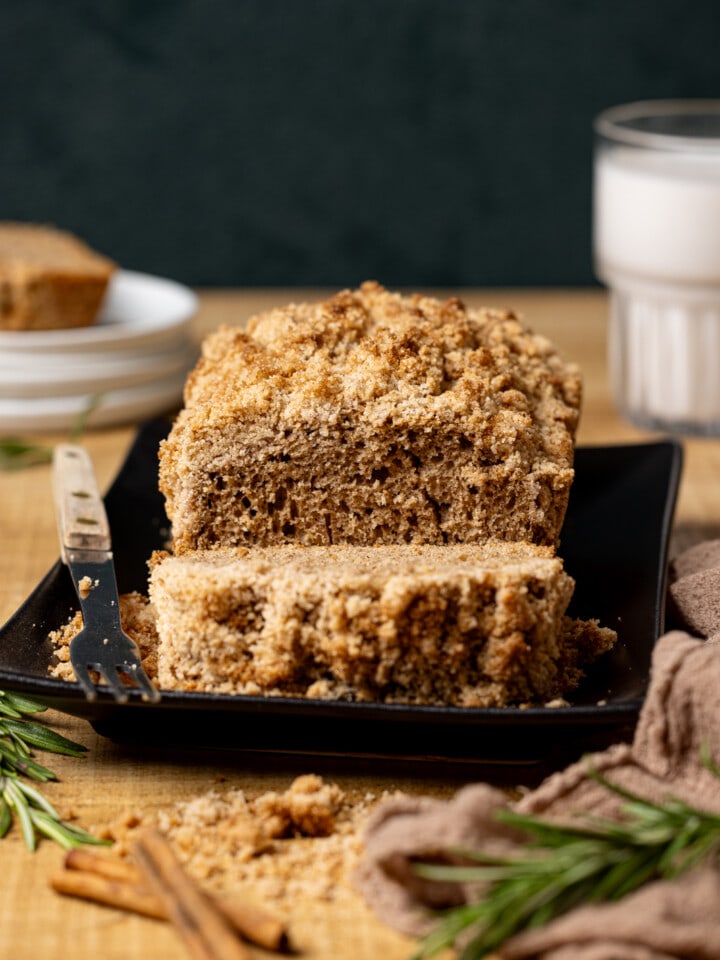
x=112 y=678
x=83 y=677
x=136 y=673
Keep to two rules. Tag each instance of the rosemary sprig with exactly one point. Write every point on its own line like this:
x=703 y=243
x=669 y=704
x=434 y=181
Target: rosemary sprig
x=566 y=866
x=17 y=454
x=94 y=401
x=19 y=800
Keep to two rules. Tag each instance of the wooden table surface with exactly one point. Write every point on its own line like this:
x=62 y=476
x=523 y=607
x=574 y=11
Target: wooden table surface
x=34 y=922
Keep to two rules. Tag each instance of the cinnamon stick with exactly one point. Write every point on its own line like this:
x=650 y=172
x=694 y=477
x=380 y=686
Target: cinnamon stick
x=202 y=927
x=126 y=888
x=80 y=858
x=111 y=892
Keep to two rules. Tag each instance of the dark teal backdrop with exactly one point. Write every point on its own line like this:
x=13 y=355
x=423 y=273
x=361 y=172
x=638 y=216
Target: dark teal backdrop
x=324 y=142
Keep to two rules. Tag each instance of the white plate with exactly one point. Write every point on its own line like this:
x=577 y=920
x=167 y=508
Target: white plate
x=116 y=406
x=138 y=309
x=55 y=375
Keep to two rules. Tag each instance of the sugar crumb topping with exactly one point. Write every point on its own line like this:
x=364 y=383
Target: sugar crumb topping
x=393 y=355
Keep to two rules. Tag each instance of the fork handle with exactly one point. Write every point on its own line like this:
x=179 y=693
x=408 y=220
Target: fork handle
x=82 y=521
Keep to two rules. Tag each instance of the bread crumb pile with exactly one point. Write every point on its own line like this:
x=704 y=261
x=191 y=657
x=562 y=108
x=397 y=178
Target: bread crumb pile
x=299 y=844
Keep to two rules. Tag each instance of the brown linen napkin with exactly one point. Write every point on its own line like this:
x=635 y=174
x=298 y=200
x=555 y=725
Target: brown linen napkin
x=680 y=717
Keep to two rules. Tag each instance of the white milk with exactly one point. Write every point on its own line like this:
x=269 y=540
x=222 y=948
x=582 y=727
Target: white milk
x=657 y=216
x=657 y=246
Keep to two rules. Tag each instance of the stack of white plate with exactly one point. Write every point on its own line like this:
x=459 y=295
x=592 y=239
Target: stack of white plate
x=130 y=365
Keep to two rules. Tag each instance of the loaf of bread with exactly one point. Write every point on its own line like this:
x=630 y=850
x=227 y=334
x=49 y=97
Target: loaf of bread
x=372 y=418
x=48 y=279
x=469 y=625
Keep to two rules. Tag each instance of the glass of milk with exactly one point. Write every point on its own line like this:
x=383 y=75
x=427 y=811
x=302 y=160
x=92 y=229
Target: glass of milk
x=657 y=247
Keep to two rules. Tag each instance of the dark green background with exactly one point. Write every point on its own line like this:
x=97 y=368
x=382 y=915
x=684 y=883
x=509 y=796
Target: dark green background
x=324 y=142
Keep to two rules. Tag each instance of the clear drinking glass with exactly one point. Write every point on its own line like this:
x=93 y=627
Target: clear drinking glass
x=656 y=223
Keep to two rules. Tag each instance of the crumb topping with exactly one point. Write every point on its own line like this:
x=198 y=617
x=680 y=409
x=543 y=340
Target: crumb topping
x=386 y=356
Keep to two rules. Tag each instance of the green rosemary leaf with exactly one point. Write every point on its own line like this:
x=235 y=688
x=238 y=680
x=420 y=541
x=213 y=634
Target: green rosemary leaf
x=22 y=704
x=7 y=710
x=451 y=925
x=5 y=816
x=53 y=830
x=37 y=816
x=66 y=835
x=78 y=429
x=8 y=751
x=435 y=871
x=35 y=797
x=646 y=869
x=15 y=744
x=614 y=877
x=17 y=801
x=678 y=848
x=550 y=834
x=44 y=739
x=18 y=454
x=80 y=836
x=23 y=764
x=18 y=743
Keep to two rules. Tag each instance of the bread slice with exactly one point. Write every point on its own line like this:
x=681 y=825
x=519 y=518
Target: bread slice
x=470 y=625
x=48 y=279
x=372 y=418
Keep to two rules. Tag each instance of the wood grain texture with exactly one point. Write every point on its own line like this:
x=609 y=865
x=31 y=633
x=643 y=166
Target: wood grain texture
x=34 y=921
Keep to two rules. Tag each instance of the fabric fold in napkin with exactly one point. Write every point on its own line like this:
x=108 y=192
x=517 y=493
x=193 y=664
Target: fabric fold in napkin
x=679 y=720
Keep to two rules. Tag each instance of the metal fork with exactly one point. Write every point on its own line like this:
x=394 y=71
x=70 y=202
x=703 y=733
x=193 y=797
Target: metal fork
x=102 y=645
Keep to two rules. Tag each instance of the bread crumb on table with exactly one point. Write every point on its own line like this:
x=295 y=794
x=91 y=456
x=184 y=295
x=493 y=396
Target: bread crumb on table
x=281 y=846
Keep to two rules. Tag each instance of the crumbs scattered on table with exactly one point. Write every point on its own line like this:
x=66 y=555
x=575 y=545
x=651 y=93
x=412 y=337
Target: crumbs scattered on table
x=302 y=843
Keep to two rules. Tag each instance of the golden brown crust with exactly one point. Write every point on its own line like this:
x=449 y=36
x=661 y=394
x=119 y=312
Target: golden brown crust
x=372 y=418
x=49 y=279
